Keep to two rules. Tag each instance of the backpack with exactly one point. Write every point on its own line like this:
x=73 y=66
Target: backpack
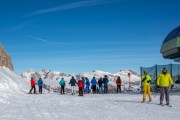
x=62 y=82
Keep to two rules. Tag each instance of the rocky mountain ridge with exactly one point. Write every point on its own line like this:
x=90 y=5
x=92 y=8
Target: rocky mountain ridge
x=5 y=58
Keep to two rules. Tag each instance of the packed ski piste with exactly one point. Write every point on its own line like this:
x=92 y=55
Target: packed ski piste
x=84 y=97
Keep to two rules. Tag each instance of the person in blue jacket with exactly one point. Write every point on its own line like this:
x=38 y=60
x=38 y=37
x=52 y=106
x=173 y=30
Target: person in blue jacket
x=83 y=80
x=105 y=82
x=62 y=83
x=40 y=84
x=94 y=82
x=87 y=90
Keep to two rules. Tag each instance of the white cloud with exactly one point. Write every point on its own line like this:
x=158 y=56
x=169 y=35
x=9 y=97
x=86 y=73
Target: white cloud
x=90 y=43
x=73 y=5
x=42 y=40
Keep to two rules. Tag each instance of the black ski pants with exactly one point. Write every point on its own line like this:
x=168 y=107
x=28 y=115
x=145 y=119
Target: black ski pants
x=33 y=87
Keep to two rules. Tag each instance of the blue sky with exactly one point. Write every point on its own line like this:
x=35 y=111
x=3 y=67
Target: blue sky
x=74 y=36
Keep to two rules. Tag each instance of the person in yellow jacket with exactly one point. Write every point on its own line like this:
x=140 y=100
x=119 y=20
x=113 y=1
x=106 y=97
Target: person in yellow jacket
x=146 y=80
x=163 y=82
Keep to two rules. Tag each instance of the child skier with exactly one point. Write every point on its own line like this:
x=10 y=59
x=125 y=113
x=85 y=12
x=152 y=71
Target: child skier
x=33 y=86
x=80 y=85
x=118 y=83
x=40 y=84
x=62 y=83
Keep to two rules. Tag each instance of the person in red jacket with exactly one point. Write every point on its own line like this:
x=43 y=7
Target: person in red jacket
x=80 y=85
x=33 y=86
x=118 y=83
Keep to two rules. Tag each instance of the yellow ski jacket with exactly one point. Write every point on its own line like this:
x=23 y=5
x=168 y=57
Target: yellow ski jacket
x=146 y=78
x=164 y=80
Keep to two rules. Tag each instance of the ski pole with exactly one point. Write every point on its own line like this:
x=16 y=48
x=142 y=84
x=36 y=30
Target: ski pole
x=155 y=92
x=170 y=91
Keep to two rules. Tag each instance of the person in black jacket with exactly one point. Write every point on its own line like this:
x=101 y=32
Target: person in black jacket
x=100 y=82
x=73 y=84
x=105 y=82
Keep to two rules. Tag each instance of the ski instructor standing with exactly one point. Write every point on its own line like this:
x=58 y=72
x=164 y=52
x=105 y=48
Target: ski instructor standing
x=146 y=80
x=163 y=82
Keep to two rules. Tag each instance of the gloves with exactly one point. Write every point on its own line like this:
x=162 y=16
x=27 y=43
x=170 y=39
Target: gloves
x=148 y=81
x=172 y=86
x=157 y=86
x=143 y=79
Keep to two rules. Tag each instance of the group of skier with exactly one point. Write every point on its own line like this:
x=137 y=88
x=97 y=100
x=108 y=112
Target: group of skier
x=164 y=82
x=33 y=86
x=100 y=86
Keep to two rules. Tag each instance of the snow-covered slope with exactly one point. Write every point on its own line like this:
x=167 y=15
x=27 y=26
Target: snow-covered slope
x=12 y=83
x=16 y=105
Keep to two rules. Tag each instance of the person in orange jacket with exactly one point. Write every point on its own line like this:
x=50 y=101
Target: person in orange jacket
x=118 y=83
x=33 y=86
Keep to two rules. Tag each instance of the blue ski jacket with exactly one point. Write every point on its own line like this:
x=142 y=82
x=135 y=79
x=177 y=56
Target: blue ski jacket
x=87 y=82
x=83 y=80
x=40 y=82
x=105 y=81
x=93 y=81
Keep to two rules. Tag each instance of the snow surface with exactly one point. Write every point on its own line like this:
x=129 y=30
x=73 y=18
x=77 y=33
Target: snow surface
x=15 y=104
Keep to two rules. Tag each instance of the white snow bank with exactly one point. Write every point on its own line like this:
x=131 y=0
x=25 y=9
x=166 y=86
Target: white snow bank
x=11 y=83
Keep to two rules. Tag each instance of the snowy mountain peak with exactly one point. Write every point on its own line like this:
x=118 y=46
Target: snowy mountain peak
x=128 y=71
x=53 y=75
x=31 y=70
x=101 y=72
